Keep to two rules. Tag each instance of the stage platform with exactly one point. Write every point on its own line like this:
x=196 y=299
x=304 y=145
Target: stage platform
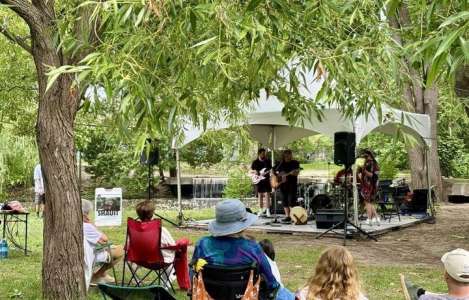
x=264 y=225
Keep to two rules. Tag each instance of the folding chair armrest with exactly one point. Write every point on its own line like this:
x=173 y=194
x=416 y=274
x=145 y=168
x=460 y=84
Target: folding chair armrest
x=103 y=246
x=175 y=247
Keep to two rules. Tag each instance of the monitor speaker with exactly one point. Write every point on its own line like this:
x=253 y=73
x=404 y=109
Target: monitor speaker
x=153 y=155
x=344 y=148
x=278 y=197
x=326 y=218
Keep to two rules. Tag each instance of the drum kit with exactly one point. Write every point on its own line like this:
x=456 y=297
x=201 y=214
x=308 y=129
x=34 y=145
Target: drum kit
x=321 y=195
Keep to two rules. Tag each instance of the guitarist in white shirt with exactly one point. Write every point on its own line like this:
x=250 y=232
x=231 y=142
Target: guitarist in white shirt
x=260 y=171
x=287 y=172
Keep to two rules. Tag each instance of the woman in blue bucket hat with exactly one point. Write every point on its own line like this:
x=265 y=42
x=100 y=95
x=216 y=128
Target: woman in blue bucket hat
x=227 y=245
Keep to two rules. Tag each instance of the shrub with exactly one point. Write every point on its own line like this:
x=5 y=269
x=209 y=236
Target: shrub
x=387 y=170
x=239 y=184
x=18 y=156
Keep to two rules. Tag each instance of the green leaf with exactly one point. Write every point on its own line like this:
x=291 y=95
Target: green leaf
x=448 y=41
x=204 y=42
x=464 y=47
x=435 y=69
x=462 y=15
x=127 y=14
x=140 y=17
x=253 y=4
x=391 y=6
x=193 y=20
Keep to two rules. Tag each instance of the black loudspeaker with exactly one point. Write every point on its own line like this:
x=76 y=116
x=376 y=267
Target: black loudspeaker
x=419 y=201
x=279 y=206
x=153 y=156
x=344 y=148
x=326 y=218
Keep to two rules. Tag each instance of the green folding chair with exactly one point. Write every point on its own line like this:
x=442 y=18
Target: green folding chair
x=96 y=265
x=118 y=292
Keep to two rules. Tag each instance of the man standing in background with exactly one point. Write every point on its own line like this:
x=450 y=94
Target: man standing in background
x=39 y=194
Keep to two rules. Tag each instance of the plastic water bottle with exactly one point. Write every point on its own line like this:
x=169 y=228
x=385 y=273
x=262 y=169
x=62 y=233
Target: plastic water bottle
x=3 y=249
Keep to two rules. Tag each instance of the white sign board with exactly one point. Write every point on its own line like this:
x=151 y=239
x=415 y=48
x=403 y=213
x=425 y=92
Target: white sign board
x=108 y=207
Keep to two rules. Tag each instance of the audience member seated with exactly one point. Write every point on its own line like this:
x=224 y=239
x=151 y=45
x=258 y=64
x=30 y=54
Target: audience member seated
x=335 y=278
x=96 y=249
x=269 y=251
x=456 y=276
x=227 y=246
x=178 y=249
x=145 y=212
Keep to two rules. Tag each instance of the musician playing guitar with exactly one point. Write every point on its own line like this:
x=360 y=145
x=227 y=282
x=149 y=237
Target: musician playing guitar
x=287 y=172
x=261 y=168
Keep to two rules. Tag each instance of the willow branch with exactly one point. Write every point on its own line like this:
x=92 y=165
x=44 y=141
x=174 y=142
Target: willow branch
x=16 y=39
x=24 y=9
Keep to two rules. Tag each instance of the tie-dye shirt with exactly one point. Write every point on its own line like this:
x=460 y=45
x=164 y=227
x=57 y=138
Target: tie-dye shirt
x=231 y=251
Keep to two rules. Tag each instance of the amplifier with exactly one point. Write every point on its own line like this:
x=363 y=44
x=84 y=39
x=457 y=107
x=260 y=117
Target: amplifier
x=326 y=218
x=279 y=202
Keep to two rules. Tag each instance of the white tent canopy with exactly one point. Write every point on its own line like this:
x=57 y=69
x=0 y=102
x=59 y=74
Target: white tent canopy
x=266 y=116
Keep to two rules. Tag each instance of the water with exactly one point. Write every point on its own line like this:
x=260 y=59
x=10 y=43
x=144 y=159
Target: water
x=208 y=187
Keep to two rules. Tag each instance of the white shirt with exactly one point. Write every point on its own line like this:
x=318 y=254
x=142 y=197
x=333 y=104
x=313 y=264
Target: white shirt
x=91 y=236
x=38 y=181
x=167 y=240
x=275 y=271
x=89 y=260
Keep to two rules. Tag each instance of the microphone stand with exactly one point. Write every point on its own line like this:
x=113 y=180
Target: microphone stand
x=346 y=220
x=163 y=218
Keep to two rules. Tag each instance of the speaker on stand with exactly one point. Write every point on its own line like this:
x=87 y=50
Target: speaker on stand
x=344 y=154
x=150 y=156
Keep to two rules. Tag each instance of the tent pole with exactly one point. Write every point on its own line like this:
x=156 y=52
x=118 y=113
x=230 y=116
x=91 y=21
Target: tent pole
x=178 y=179
x=355 y=194
x=274 y=145
x=429 y=191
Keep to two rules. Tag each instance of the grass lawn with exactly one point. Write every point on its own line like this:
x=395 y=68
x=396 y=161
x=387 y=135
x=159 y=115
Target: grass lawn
x=20 y=276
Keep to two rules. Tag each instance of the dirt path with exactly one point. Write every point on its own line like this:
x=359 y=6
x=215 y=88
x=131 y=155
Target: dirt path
x=422 y=244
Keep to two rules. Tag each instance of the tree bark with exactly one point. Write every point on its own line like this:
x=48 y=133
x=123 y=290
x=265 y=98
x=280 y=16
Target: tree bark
x=462 y=81
x=63 y=259
x=424 y=100
x=62 y=269
x=428 y=105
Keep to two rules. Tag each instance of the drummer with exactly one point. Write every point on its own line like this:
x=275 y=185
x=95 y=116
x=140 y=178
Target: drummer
x=339 y=178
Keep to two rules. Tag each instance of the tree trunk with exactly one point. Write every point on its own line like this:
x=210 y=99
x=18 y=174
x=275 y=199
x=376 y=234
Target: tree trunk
x=62 y=269
x=427 y=103
x=462 y=81
x=421 y=100
x=161 y=173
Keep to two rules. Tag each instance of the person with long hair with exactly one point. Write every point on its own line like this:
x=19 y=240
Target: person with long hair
x=288 y=170
x=335 y=278
x=369 y=186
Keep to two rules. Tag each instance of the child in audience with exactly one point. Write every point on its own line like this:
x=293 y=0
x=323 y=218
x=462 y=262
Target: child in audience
x=145 y=211
x=269 y=251
x=335 y=278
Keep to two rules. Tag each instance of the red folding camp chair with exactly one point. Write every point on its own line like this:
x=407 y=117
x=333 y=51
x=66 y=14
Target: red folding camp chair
x=143 y=248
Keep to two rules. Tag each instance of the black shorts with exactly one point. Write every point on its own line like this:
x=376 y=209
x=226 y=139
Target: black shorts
x=289 y=198
x=39 y=198
x=263 y=186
